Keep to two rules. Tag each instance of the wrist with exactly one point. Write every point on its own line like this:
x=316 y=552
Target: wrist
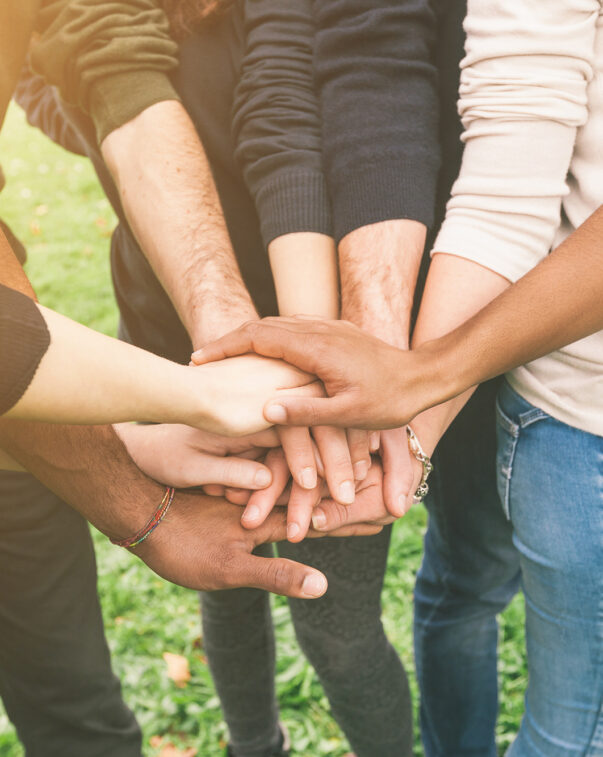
x=212 y=320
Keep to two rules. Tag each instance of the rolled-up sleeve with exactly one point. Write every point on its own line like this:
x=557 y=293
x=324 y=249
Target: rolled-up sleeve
x=112 y=59
x=276 y=120
x=523 y=96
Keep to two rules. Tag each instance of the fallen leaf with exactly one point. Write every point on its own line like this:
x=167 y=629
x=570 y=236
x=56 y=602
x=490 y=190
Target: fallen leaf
x=169 y=750
x=178 y=669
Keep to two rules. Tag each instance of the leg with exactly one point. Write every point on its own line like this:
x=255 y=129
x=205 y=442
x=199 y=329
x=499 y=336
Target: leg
x=551 y=478
x=343 y=637
x=55 y=671
x=238 y=638
x=470 y=572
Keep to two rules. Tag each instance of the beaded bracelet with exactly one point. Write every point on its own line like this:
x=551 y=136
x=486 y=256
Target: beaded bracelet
x=147 y=530
x=415 y=447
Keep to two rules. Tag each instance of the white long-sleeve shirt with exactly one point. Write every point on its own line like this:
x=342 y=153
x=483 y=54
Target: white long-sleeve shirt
x=531 y=101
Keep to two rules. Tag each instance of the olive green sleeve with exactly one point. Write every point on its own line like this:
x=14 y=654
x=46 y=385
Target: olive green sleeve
x=112 y=59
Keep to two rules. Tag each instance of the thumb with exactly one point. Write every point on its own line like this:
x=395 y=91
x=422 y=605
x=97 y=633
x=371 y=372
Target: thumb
x=308 y=411
x=235 y=472
x=280 y=576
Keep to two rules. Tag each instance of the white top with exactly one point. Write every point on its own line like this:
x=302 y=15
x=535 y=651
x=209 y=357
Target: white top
x=531 y=101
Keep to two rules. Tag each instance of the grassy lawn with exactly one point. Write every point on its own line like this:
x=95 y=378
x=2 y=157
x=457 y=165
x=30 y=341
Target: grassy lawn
x=54 y=204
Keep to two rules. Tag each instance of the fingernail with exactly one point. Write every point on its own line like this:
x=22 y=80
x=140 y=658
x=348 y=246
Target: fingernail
x=262 y=478
x=308 y=478
x=292 y=530
x=276 y=414
x=402 y=504
x=319 y=519
x=314 y=585
x=251 y=513
x=360 y=470
x=374 y=441
x=347 y=493
x=196 y=355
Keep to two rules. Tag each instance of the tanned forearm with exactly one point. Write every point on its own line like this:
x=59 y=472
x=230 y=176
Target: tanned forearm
x=169 y=195
x=556 y=303
x=89 y=468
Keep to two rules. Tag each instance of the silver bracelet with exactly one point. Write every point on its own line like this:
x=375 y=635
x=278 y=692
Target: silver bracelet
x=415 y=447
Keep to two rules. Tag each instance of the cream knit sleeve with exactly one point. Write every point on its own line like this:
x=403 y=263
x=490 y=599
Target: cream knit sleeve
x=522 y=98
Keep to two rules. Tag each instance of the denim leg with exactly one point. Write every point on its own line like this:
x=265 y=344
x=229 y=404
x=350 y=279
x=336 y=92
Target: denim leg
x=238 y=638
x=55 y=671
x=552 y=477
x=469 y=573
x=342 y=636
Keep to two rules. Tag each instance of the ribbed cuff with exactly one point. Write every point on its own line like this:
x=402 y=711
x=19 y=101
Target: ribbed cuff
x=294 y=202
x=385 y=190
x=24 y=339
x=119 y=98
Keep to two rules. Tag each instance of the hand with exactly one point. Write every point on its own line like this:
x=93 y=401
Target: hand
x=369 y=507
x=201 y=545
x=237 y=389
x=182 y=456
x=369 y=383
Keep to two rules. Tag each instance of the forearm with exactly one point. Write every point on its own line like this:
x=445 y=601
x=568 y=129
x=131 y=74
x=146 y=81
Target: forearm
x=304 y=266
x=558 y=302
x=169 y=195
x=87 y=377
x=379 y=265
x=89 y=468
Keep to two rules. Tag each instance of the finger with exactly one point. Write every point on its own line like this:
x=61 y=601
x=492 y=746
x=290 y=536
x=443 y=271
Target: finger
x=214 y=490
x=358 y=529
x=312 y=411
x=374 y=441
x=299 y=453
x=283 y=338
x=262 y=502
x=238 y=496
x=299 y=511
x=278 y=575
x=398 y=471
x=358 y=443
x=233 y=472
x=333 y=446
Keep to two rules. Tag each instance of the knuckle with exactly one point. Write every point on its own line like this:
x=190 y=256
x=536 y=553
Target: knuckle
x=279 y=576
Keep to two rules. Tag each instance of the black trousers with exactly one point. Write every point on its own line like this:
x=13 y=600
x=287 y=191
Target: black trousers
x=55 y=672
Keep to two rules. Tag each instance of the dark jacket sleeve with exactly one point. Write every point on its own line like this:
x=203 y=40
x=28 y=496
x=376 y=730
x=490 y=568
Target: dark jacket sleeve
x=276 y=119
x=24 y=339
x=43 y=110
x=378 y=93
x=111 y=58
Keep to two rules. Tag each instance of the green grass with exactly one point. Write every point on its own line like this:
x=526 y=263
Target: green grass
x=54 y=204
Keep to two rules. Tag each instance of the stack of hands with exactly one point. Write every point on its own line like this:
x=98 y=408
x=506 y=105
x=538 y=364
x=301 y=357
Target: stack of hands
x=331 y=479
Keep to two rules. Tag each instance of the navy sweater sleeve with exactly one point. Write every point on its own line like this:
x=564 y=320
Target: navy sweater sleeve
x=276 y=121
x=24 y=339
x=378 y=93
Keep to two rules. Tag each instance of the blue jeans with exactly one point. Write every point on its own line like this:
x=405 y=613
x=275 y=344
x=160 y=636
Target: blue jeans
x=549 y=531
x=550 y=480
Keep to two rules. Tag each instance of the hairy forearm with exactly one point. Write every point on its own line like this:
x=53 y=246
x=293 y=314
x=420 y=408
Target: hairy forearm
x=304 y=266
x=169 y=195
x=379 y=265
x=89 y=468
